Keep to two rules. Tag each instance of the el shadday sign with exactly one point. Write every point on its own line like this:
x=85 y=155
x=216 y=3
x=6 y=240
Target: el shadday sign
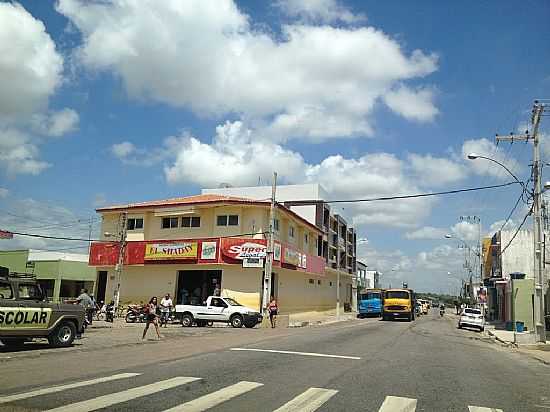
x=171 y=251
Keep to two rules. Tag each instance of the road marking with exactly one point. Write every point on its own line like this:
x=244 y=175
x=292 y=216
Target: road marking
x=127 y=395
x=309 y=401
x=321 y=355
x=397 y=404
x=59 y=388
x=482 y=409
x=215 y=398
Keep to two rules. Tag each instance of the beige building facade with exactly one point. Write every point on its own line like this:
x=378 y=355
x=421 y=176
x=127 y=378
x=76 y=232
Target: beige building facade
x=196 y=246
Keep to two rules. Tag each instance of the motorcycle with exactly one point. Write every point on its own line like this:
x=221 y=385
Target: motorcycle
x=135 y=314
x=441 y=312
x=110 y=312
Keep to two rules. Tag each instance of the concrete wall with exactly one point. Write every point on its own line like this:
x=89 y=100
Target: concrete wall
x=295 y=292
x=518 y=257
x=284 y=192
x=15 y=260
x=524 y=290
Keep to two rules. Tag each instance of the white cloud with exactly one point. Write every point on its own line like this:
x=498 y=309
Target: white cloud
x=31 y=70
x=57 y=123
x=311 y=82
x=28 y=215
x=4 y=192
x=427 y=232
x=241 y=158
x=123 y=150
x=412 y=104
x=18 y=154
x=30 y=67
x=485 y=147
x=466 y=231
x=433 y=171
x=322 y=11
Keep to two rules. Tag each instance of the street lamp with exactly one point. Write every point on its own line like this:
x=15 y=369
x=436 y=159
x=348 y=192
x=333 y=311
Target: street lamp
x=474 y=156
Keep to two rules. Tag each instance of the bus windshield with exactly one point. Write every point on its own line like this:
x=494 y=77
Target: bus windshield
x=370 y=295
x=397 y=294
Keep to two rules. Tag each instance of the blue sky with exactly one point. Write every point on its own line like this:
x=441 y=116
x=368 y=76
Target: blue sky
x=109 y=102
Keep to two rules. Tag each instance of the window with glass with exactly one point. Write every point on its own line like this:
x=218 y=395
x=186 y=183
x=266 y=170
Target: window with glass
x=276 y=225
x=5 y=291
x=169 y=222
x=134 y=223
x=291 y=231
x=306 y=238
x=227 y=220
x=29 y=291
x=191 y=221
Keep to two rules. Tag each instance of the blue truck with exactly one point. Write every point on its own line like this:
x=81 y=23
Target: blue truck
x=369 y=303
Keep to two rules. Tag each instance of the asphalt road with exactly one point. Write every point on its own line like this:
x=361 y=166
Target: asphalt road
x=426 y=365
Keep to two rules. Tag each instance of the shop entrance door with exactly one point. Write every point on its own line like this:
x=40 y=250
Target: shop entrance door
x=194 y=286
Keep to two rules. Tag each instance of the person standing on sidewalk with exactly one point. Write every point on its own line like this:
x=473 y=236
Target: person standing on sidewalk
x=165 y=308
x=273 y=309
x=151 y=310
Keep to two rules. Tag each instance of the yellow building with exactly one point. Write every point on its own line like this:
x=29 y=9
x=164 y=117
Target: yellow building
x=194 y=246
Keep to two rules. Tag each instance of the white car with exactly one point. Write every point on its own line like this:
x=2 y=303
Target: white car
x=218 y=309
x=472 y=318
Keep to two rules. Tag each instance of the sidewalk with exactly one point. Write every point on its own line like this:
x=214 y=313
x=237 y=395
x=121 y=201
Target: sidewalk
x=521 y=342
x=318 y=318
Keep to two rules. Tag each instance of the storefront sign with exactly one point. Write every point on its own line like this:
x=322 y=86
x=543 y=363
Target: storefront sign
x=243 y=248
x=292 y=257
x=171 y=251
x=277 y=252
x=208 y=251
x=253 y=263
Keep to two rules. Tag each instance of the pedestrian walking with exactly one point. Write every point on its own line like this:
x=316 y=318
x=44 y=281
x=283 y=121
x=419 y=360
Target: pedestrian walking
x=87 y=303
x=152 y=317
x=273 y=309
x=165 y=308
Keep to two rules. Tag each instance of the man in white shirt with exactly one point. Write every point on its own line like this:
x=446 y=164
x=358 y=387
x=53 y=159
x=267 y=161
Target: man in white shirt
x=165 y=308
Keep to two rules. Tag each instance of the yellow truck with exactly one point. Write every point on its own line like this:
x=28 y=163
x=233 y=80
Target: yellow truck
x=398 y=303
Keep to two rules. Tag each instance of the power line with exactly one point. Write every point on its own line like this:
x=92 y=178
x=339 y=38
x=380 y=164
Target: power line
x=517 y=231
x=447 y=192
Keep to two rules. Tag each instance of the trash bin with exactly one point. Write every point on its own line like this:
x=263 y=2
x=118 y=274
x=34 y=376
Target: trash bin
x=520 y=326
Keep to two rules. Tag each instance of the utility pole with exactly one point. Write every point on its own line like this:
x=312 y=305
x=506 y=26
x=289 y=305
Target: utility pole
x=270 y=245
x=538 y=109
x=121 y=253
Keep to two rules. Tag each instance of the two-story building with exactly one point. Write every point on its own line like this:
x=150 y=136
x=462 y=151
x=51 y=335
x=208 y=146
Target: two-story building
x=194 y=246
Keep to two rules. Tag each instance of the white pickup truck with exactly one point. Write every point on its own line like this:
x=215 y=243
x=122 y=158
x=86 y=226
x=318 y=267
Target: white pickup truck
x=218 y=309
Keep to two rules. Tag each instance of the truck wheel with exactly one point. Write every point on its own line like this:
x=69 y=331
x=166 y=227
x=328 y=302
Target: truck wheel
x=187 y=320
x=63 y=335
x=201 y=323
x=237 y=321
x=13 y=342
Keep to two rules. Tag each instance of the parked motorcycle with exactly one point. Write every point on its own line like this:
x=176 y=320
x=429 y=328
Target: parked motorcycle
x=110 y=312
x=136 y=313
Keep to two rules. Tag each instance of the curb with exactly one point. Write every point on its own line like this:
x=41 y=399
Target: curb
x=501 y=341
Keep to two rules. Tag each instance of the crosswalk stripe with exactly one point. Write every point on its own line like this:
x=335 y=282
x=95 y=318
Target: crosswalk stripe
x=215 y=398
x=397 y=404
x=483 y=409
x=59 y=388
x=309 y=401
x=127 y=395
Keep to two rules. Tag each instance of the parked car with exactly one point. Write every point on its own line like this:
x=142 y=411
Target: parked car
x=218 y=309
x=472 y=318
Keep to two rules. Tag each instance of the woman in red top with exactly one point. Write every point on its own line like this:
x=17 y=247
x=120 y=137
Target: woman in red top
x=273 y=309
